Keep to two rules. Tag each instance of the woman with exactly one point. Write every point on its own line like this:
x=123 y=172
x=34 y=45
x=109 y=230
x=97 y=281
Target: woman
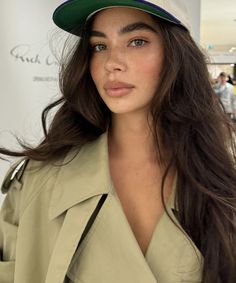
x=135 y=178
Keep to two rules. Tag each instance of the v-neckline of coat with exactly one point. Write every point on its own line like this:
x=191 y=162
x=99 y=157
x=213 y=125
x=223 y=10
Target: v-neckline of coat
x=169 y=204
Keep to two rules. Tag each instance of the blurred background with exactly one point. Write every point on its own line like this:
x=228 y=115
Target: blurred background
x=218 y=35
x=29 y=67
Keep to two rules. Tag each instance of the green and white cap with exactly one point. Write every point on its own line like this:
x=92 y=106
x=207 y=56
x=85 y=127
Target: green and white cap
x=72 y=13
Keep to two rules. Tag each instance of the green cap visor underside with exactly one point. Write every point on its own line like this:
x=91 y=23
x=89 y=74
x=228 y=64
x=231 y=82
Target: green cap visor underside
x=70 y=15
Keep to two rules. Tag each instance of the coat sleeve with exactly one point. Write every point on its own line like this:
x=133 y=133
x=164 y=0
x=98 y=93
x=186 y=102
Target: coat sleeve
x=9 y=220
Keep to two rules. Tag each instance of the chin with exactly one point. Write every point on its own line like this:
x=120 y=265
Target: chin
x=126 y=108
x=119 y=111
x=127 y=111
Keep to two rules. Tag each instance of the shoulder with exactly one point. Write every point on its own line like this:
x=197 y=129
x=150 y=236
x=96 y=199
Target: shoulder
x=29 y=177
x=229 y=86
x=22 y=170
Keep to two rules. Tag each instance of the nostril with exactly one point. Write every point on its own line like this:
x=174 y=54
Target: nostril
x=115 y=65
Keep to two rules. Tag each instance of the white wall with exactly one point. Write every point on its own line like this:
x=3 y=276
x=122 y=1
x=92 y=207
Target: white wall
x=194 y=9
x=28 y=70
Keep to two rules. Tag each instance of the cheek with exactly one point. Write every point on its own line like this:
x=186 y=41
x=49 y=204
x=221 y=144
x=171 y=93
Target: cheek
x=150 y=68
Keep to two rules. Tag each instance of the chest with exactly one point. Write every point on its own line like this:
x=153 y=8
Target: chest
x=143 y=214
x=139 y=192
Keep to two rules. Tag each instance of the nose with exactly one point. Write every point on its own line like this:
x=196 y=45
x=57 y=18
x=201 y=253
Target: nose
x=116 y=61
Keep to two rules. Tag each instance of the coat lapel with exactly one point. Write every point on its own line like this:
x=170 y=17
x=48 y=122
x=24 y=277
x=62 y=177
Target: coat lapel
x=110 y=252
x=84 y=175
x=72 y=229
x=172 y=255
x=82 y=180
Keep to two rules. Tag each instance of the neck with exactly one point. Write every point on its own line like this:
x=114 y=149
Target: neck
x=131 y=137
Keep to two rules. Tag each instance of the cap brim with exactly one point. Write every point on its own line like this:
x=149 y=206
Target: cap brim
x=73 y=13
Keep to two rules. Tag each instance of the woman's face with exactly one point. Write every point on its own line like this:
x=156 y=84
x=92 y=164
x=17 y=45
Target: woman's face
x=127 y=55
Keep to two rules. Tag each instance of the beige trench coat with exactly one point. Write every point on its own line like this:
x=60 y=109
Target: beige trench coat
x=46 y=211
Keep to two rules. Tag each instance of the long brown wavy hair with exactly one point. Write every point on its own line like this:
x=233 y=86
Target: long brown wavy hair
x=187 y=117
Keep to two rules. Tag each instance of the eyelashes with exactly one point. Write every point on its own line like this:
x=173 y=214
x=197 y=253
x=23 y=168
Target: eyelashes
x=138 y=42
x=99 y=47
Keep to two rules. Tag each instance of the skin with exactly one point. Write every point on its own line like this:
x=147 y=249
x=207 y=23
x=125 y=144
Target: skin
x=125 y=66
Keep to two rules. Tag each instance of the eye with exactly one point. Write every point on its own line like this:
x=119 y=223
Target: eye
x=98 y=47
x=138 y=42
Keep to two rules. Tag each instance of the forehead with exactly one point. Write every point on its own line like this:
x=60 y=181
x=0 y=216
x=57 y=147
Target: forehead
x=120 y=16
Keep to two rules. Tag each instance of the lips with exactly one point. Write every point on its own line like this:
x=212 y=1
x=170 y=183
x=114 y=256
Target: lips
x=116 y=89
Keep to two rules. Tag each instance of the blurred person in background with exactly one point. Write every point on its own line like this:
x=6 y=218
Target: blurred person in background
x=225 y=91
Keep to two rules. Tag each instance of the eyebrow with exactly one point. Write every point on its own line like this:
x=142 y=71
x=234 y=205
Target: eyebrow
x=126 y=29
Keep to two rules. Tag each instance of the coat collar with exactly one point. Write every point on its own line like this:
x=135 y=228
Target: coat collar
x=84 y=175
